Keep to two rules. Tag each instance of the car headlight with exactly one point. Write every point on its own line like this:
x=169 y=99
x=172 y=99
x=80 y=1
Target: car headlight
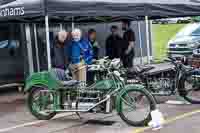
x=195 y=44
x=192 y=45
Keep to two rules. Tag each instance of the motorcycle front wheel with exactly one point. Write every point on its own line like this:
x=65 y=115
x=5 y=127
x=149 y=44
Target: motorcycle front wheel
x=190 y=88
x=40 y=104
x=136 y=106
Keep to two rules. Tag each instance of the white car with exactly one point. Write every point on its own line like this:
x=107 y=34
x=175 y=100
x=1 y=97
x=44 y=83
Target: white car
x=185 y=41
x=173 y=20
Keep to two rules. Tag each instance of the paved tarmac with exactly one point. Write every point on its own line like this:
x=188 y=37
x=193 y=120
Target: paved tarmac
x=15 y=118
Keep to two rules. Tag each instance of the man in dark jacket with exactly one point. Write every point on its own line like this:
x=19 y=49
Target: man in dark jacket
x=113 y=44
x=128 y=46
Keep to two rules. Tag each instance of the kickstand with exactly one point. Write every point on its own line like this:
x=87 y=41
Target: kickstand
x=78 y=115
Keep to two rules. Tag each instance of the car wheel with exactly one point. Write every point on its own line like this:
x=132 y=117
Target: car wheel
x=179 y=21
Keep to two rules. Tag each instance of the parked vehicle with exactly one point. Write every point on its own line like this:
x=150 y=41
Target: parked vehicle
x=12 y=64
x=167 y=80
x=185 y=41
x=178 y=20
x=12 y=55
x=195 y=19
x=49 y=95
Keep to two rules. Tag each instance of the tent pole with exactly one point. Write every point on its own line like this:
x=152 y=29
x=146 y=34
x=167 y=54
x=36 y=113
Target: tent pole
x=151 y=40
x=140 y=42
x=29 y=48
x=48 y=42
x=61 y=26
x=73 y=25
x=147 y=39
x=36 y=47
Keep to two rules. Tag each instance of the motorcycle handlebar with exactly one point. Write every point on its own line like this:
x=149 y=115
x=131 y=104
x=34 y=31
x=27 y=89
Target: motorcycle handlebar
x=172 y=60
x=179 y=62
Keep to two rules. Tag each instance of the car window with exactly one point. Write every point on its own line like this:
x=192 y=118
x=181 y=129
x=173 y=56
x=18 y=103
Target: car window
x=9 y=44
x=188 y=30
x=196 y=32
x=10 y=40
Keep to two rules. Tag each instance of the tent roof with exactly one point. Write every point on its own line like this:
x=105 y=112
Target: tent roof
x=152 y=8
x=18 y=10
x=31 y=9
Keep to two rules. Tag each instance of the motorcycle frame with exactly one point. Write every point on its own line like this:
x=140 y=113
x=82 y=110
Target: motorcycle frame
x=180 y=72
x=118 y=84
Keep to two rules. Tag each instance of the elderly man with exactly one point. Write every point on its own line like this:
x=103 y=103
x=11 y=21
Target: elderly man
x=79 y=54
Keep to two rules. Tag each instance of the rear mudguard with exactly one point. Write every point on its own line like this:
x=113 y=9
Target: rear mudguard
x=41 y=79
x=123 y=91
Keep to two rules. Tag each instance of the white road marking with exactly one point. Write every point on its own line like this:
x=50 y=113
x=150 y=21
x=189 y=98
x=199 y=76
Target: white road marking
x=168 y=121
x=33 y=123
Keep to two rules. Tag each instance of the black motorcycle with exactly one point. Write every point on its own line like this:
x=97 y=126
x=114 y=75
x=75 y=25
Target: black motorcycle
x=167 y=79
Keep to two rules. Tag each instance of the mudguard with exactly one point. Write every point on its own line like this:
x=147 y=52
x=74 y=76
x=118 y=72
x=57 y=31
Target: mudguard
x=123 y=91
x=45 y=78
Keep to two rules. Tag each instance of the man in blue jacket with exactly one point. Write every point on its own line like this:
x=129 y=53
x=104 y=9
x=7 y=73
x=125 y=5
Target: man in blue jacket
x=79 y=54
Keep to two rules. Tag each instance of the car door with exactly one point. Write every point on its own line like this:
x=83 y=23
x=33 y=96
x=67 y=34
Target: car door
x=11 y=55
x=11 y=63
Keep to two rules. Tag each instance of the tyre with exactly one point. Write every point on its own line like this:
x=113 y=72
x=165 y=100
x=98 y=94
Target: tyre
x=39 y=104
x=179 y=22
x=131 y=107
x=190 y=88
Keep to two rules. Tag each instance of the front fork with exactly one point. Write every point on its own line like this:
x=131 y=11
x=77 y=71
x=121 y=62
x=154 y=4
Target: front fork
x=180 y=81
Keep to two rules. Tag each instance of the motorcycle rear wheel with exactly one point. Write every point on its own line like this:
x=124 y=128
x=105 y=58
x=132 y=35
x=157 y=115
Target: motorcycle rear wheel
x=35 y=105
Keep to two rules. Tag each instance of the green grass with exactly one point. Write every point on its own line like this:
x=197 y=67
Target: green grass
x=162 y=33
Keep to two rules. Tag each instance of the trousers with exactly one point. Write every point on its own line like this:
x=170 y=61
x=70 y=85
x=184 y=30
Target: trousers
x=78 y=71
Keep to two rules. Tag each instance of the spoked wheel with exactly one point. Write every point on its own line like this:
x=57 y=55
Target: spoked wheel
x=40 y=103
x=136 y=106
x=192 y=89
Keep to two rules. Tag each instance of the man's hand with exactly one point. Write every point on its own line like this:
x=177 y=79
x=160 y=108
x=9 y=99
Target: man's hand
x=127 y=52
x=130 y=47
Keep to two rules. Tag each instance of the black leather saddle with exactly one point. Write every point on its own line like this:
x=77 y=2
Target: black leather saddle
x=70 y=83
x=143 y=69
x=140 y=69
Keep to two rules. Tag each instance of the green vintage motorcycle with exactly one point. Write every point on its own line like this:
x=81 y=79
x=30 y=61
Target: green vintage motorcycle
x=50 y=93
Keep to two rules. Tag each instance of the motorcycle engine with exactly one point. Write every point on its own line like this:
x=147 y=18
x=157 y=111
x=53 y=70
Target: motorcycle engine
x=162 y=83
x=89 y=98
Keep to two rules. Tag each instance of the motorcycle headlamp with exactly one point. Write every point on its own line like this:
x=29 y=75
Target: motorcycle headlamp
x=115 y=63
